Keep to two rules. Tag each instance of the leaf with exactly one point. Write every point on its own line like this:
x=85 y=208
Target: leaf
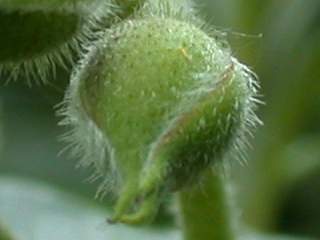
x=33 y=210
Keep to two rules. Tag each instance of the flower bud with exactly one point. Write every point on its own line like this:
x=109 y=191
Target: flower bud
x=37 y=34
x=167 y=101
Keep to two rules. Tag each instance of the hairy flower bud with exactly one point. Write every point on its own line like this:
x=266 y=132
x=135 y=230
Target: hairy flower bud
x=166 y=99
x=36 y=34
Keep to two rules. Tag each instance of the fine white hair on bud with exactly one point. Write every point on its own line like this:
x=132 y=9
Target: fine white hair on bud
x=158 y=101
x=38 y=35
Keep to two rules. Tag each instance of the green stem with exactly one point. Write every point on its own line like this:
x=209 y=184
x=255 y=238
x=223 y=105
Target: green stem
x=205 y=211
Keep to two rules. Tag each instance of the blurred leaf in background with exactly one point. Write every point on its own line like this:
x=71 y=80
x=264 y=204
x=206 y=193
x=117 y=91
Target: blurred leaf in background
x=286 y=59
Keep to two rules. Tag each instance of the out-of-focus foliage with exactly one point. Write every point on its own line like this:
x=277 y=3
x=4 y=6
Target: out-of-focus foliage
x=286 y=59
x=53 y=214
x=278 y=191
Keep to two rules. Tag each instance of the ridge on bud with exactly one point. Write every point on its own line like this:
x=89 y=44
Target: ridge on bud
x=157 y=102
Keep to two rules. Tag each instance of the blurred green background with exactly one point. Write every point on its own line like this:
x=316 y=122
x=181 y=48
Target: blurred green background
x=278 y=191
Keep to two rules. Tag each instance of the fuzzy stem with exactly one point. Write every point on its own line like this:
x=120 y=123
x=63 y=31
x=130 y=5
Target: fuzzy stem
x=204 y=210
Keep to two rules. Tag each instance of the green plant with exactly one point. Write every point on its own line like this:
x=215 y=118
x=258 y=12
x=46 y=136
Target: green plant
x=179 y=123
x=146 y=133
x=149 y=133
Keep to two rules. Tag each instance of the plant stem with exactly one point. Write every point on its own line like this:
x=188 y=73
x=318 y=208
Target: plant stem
x=205 y=211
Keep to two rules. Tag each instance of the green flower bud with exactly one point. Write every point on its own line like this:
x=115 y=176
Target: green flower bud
x=158 y=101
x=37 y=34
